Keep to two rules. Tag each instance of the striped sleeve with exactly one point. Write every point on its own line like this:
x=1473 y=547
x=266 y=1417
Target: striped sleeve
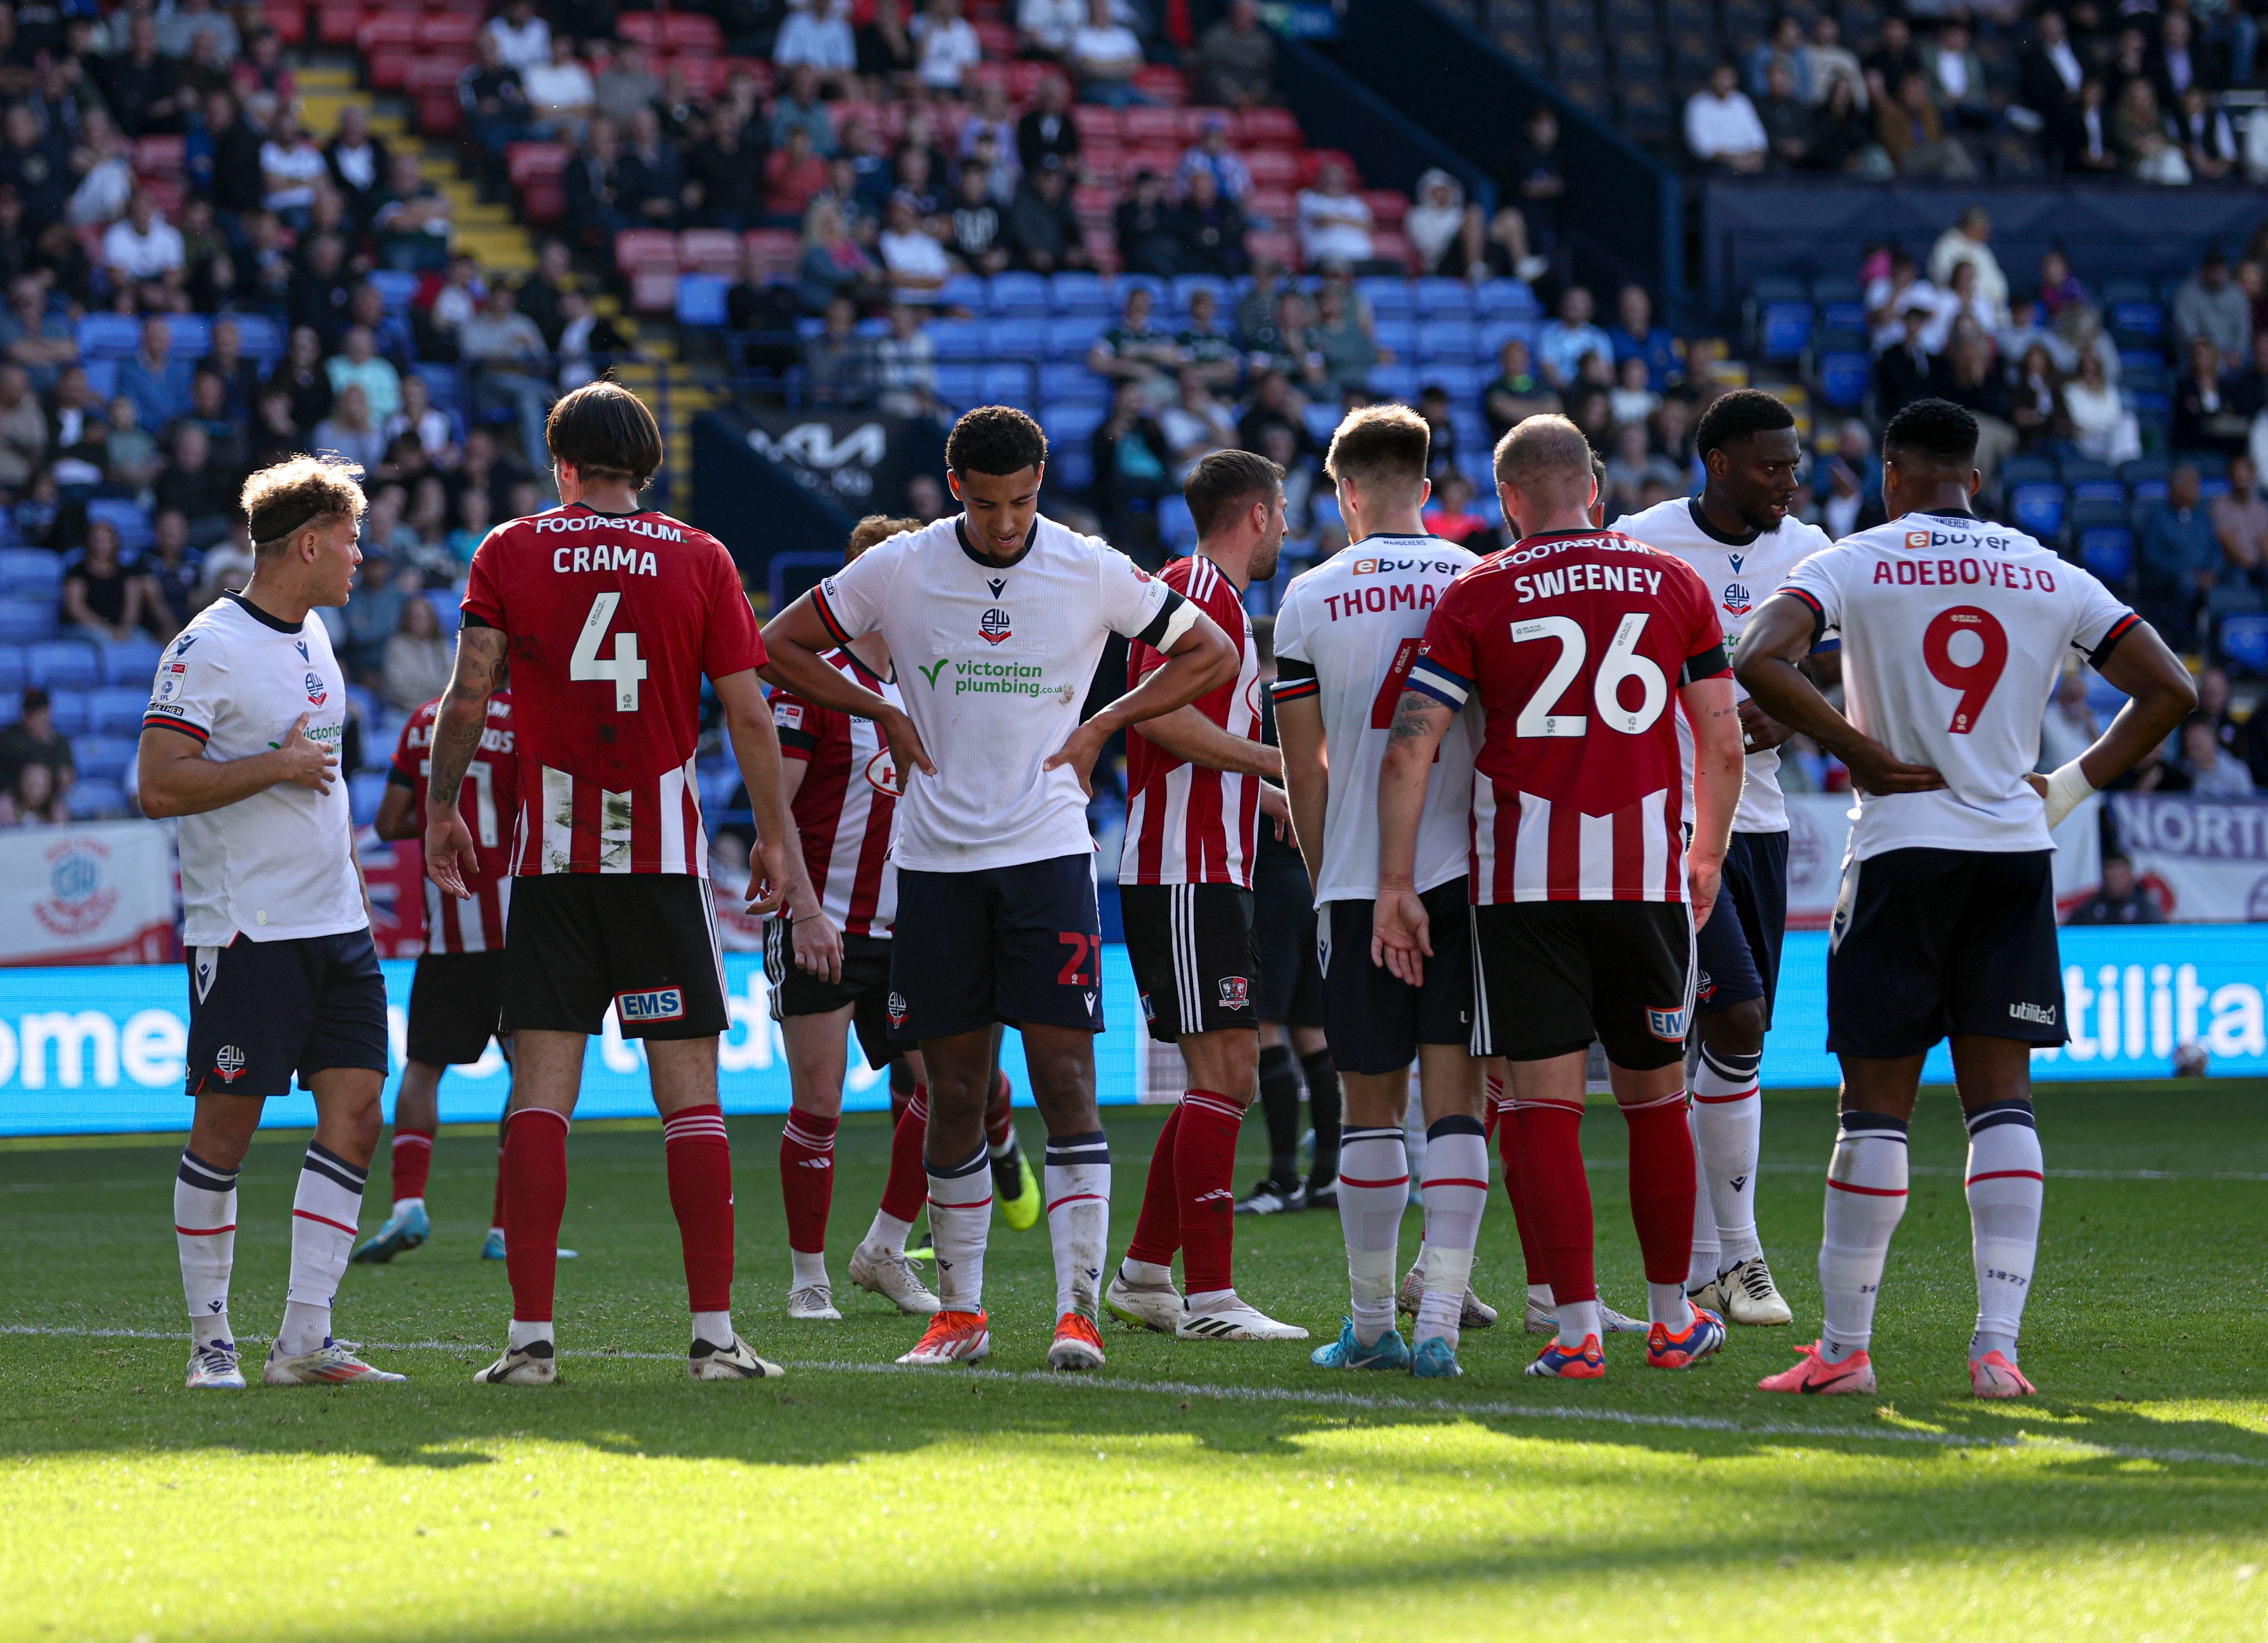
x=1295 y=681
x=1429 y=676
x=850 y=602
x=2102 y=620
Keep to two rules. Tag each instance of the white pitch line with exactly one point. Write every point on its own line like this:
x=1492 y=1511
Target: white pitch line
x=2078 y=1448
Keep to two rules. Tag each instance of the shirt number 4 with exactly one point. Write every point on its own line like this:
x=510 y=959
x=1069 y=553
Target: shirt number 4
x=623 y=670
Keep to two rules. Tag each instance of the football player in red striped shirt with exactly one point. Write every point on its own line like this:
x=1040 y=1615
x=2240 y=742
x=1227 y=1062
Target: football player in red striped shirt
x=1195 y=791
x=609 y=616
x=458 y=991
x=1585 y=893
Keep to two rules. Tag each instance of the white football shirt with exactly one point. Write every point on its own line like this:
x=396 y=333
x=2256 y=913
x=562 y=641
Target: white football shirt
x=1741 y=576
x=1954 y=633
x=278 y=866
x=1348 y=630
x=994 y=661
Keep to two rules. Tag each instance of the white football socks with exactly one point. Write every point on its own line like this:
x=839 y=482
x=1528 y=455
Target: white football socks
x=1456 y=1192
x=1076 y=1181
x=808 y=1267
x=716 y=1328
x=1728 y=1130
x=1374 y=1191
x=1866 y=1198
x=960 y=1220
x=888 y=1232
x=204 y=1224
x=324 y=1212
x=2008 y=1183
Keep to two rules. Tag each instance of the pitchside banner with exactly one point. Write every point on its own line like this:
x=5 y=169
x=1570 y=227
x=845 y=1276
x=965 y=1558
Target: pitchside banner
x=101 y=1048
x=93 y=893
x=1819 y=832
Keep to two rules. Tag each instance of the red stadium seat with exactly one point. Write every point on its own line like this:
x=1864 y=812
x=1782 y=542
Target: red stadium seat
x=527 y=163
x=654 y=290
x=289 y=23
x=1106 y=167
x=439 y=114
x=1387 y=208
x=1269 y=128
x=1102 y=248
x=986 y=75
x=777 y=250
x=708 y=250
x=449 y=31
x=998 y=38
x=1097 y=124
x=169 y=193
x=1272 y=168
x=1274 y=244
x=1161 y=85
x=755 y=68
x=384 y=30
x=1279 y=206
x=389 y=70
x=1153 y=126
x=338 y=25
x=1164 y=161
x=703 y=76
x=638 y=249
x=1388 y=246
x=642 y=27
x=161 y=156
x=689 y=31
x=1094 y=204
x=1024 y=80
x=543 y=203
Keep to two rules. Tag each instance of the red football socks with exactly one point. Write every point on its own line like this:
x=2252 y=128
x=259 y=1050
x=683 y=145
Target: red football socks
x=999 y=1115
x=413 y=1159
x=534 y=1171
x=1559 y=1196
x=1661 y=1186
x=1205 y=1164
x=807 y=1166
x=700 y=1157
x=909 y=1182
x=1158 y=1229
x=1507 y=1120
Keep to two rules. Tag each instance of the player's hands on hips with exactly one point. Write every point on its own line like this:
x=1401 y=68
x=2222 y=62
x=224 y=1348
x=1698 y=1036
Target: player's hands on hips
x=1401 y=934
x=1759 y=730
x=769 y=876
x=1275 y=804
x=1079 y=753
x=451 y=860
x=907 y=752
x=818 y=944
x=1702 y=878
x=1876 y=769
x=308 y=764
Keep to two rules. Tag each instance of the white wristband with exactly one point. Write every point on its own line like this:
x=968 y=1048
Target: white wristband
x=2066 y=788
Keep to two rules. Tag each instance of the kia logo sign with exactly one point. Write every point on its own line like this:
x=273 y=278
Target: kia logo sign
x=814 y=444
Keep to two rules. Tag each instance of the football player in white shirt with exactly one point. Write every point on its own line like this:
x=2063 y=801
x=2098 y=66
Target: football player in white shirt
x=996 y=618
x=1346 y=635
x=1954 y=633
x=240 y=740
x=1739 y=535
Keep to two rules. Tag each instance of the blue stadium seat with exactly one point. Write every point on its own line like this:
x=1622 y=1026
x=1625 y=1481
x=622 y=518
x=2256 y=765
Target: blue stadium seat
x=1462 y=378
x=2108 y=551
x=1077 y=291
x=126 y=517
x=2144 y=316
x=1507 y=299
x=1070 y=336
x=365 y=792
x=2038 y=507
x=1772 y=288
x=1018 y=293
x=2018 y=471
x=1444 y=298
x=1020 y=337
x=1322 y=420
x=1070 y=423
x=1843 y=379
x=1398 y=333
x=1784 y=329
x=1496 y=332
x=102 y=377
x=701 y=299
x=1447 y=339
x=116 y=709
x=1387 y=297
x=1006 y=384
x=963 y=291
x=260 y=337
x=1160 y=293
x=1844 y=316
x=441 y=385
x=958 y=339
x=2098 y=491
x=1397 y=381
x=109 y=335
x=131 y=661
x=2210 y=465
x=2244 y=641
x=26 y=621
x=959 y=385
x=1070 y=381
x=444 y=607
x=399 y=289
x=1827 y=288
x=69 y=709
x=99 y=799
x=192 y=334
x=1187 y=285
x=12 y=673
x=102 y=758
x=2074 y=469
x=1072 y=467
x=1175 y=525
x=31 y=573
x=68 y=664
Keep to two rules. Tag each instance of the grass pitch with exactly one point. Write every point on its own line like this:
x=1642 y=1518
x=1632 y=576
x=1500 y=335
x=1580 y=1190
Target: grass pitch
x=1190 y=1490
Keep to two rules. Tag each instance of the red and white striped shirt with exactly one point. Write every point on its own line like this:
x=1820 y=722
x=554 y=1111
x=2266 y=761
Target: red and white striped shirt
x=1576 y=644
x=847 y=806
x=490 y=802
x=614 y=619
x=1186 y=824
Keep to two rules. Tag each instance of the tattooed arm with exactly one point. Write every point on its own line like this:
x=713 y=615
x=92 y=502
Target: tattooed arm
x=451 y=860
x=1400 y=937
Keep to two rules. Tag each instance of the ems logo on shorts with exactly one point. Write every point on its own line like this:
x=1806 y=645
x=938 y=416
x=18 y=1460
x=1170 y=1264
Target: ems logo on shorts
x=228 y=1063
x=1235 y=992
x=995 y=626
x=895 y=1009
x=1667 y=1024
x=316 y=694
x=656 y=1004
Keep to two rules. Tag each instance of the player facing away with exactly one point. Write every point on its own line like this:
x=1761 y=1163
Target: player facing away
x=457 y=988
x=608 y=616
x=827 y=957
x=1346 y=634
x=1954 y=633
x=1000 y=616
x=240 y=740
x=1195 y=787
x=1579 y=646
x=1739 y=535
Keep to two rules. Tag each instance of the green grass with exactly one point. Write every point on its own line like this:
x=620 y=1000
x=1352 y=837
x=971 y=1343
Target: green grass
x=1201 y=1490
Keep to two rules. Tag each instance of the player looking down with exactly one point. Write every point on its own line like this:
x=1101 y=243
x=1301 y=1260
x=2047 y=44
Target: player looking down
x=608 y=616
x=1954 y=632
x=1573 y=641
x=999 y=615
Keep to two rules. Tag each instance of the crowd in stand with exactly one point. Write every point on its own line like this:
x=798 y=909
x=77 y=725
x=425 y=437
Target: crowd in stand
x=2085 y=89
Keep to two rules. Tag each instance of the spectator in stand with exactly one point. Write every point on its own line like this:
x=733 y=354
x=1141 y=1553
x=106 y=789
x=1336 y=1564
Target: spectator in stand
x=2090 y=139
x=1827 y=62
x=725 y=180
x=290 y=166
x=417 y=666
x=1195 y=423
x=2102 y=425
x=1790 y=127
x=1913 y=133
x=1047 y=130
x=142 y=249
x=1133 y=471
x=1912 y=370
x=1565 y=342
x=1721 y=127
x=2120 y=900
x=1145 y=229
x=2211 y=304
x=1783 y=48
x=435 y=431
x=412 y=219
x=1637 y=336
x=833 y=263
x=1335 y=225
x=359 y=363
x=1970 y=241
x=33 y=740
x=798 y=105
x=172 y=570
x=1847 y=484
x=2050 y=73
x=625 y=85
x=976 y=242
x=359 y=163
x=794 y=175
x=1343 y=339
x=1275 y=406
x=1134 y=350
x=561 y=94
x=2212 y=773
x=2206 y=415
x=947 y=47
x=103 y=600
x=905 y=366
x=2180 y=556
x=105 y=164
x=2036 y=403
x=523 y=39
x=1236 y=59
x=649 y=181
x=1447 y=233
x=1210 y=153
x=1209 y=229
x=1980 y=387
x=1045 y=28
x=885 y=51
x=1632 y=399
x=192 y=486
x=321 y=290
x=1517 y=393
x=492 y=96
x=819 y=37
x=1956 y=78
x=1841 y=132
x=1043 y=231
x=1205 y=347
x=2070 y=726
x=508 y=352
x=301 y=375
x=22 y=430
x=31 y=336
x=2145 y=136
x=349 y=431
x=1452 y=519
x=2208 y=142
x=223 y=433
x=2240 y=521
x=263 y=82
x=915 y=264
x=1105 y=54
x=129 y=453
x=154 y=379
x=141 y=85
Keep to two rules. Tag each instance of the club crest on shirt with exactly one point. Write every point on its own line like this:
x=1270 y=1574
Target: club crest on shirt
x=1737 y=601
x=1235 y=992
x=316 y=694
x=995 y=626
x=230 y=1063
x=1667 y=1024
x=882 y=774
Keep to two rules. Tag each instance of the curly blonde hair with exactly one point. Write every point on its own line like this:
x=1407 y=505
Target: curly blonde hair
x=282 y=501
